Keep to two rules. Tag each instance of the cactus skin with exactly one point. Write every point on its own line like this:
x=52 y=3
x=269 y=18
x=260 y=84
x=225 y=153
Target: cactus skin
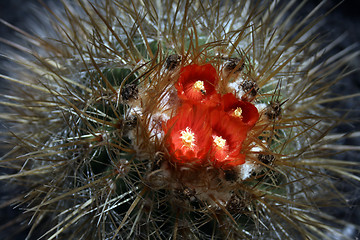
x=92 y=108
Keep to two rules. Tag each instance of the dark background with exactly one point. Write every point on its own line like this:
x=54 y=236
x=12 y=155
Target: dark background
x=344 y=19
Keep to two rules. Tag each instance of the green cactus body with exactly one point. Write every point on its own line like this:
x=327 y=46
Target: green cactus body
x=174 y=120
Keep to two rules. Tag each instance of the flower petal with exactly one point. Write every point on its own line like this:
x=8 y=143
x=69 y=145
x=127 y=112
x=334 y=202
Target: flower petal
x=227 y=135
x=197 y=83
x=189 y=135
x=243 y=111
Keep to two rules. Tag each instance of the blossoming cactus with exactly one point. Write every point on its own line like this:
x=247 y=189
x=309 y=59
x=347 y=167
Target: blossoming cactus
x=184 y=120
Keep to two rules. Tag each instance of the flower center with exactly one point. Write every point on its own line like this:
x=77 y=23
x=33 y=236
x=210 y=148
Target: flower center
x=188 y=138
x=238 y=112
x=219 y=141
x=199 y=86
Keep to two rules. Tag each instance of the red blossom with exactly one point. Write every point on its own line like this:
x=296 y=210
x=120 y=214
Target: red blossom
x=188 y=135
x=243 y=111
x=227 y=138
x=197 y=83
x=207 y=127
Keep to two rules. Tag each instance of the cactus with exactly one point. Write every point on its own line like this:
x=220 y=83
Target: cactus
x=174 y=120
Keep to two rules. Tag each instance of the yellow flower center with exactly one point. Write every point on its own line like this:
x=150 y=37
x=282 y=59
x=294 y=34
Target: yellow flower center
x=238 y=112
x=188 y=138
x=219 y=141
x=199 y=86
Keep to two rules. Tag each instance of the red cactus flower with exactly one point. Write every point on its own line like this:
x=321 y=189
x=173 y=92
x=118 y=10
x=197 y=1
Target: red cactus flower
x=188 y=135
x=243 y=111
x=227 y=138
x=207 y=126
x=197 y=83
